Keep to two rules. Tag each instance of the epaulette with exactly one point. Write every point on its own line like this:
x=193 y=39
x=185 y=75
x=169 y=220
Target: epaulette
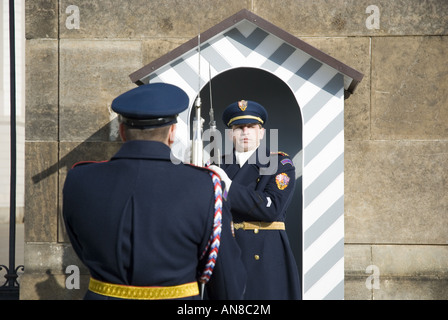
x=284 y=161
x=81 y=163
x=204 y=168
x=281 y=153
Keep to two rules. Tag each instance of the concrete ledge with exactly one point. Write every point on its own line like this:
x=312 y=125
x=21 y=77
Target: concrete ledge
x=410 y=261
x=411 y=289
x=41 y=258
x=396 y=272
x=396 y=288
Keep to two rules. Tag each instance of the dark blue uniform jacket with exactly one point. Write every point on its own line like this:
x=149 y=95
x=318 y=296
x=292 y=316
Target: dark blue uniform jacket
x=264 y=196
x=141 y=220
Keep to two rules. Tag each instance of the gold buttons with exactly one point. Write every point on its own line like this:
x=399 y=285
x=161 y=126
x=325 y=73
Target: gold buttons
x=255 y=230
x=257 y=257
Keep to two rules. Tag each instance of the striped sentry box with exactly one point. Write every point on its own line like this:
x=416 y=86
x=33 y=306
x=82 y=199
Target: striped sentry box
x=319 y=83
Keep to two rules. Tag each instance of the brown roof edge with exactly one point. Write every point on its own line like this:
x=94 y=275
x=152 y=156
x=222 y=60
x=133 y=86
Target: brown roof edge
x=262 y=23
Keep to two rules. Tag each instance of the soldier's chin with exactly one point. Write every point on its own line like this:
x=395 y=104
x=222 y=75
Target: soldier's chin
x=243 y=147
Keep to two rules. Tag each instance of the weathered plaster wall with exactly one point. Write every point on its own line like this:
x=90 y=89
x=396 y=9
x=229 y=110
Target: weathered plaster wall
x=396 y=128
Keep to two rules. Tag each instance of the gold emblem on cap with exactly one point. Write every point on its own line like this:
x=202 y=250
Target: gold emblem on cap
x=242 y=104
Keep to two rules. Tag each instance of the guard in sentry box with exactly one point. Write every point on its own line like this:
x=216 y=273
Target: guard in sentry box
x=260 y=185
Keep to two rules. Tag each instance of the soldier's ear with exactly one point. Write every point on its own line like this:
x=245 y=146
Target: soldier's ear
x=261 y=132
x=171 y=134
x=122 y=132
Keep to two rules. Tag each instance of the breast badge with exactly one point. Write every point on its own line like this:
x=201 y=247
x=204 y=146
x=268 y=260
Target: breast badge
x=282 y=181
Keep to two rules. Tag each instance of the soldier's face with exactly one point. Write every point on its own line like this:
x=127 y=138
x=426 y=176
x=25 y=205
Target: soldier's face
x=246 y=137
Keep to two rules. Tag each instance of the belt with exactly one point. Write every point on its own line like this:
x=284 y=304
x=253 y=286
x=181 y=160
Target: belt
x=143 y=293
x=259 y=225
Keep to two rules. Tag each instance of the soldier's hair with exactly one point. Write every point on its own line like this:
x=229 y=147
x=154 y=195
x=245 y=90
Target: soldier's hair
x=154 y=134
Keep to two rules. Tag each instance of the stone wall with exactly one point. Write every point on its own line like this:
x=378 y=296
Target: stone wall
x=396 y=133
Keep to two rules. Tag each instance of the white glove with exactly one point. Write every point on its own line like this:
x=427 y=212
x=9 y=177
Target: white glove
x=223 y=175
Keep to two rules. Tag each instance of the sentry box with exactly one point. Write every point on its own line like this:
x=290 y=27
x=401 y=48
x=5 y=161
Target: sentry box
x=303 y=90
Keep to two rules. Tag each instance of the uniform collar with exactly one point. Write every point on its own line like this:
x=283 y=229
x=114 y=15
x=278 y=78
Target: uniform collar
x=242 y=157
x=261 y=160
x=142 y=149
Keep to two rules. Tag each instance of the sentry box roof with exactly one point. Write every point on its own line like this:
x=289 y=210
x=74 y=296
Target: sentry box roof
x=248 y=33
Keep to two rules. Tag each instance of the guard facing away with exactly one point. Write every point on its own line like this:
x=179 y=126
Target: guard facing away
x=260 y=186
x=145 y=227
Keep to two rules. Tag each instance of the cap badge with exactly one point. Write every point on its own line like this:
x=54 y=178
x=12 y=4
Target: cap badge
x=242 y=105
x=282 y=181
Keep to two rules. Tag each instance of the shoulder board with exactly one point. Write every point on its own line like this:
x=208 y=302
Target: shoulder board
x=284 y=161
x=281 y=153
x=204 y=168
x=198 y=167
x=216 y=179
x=81 y=163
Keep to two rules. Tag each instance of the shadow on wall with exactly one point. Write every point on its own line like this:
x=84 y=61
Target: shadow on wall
x=52 y=289
x=87 y=150
x=51 y=285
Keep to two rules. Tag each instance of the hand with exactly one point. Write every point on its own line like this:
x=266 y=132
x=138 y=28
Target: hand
x=223 y=175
